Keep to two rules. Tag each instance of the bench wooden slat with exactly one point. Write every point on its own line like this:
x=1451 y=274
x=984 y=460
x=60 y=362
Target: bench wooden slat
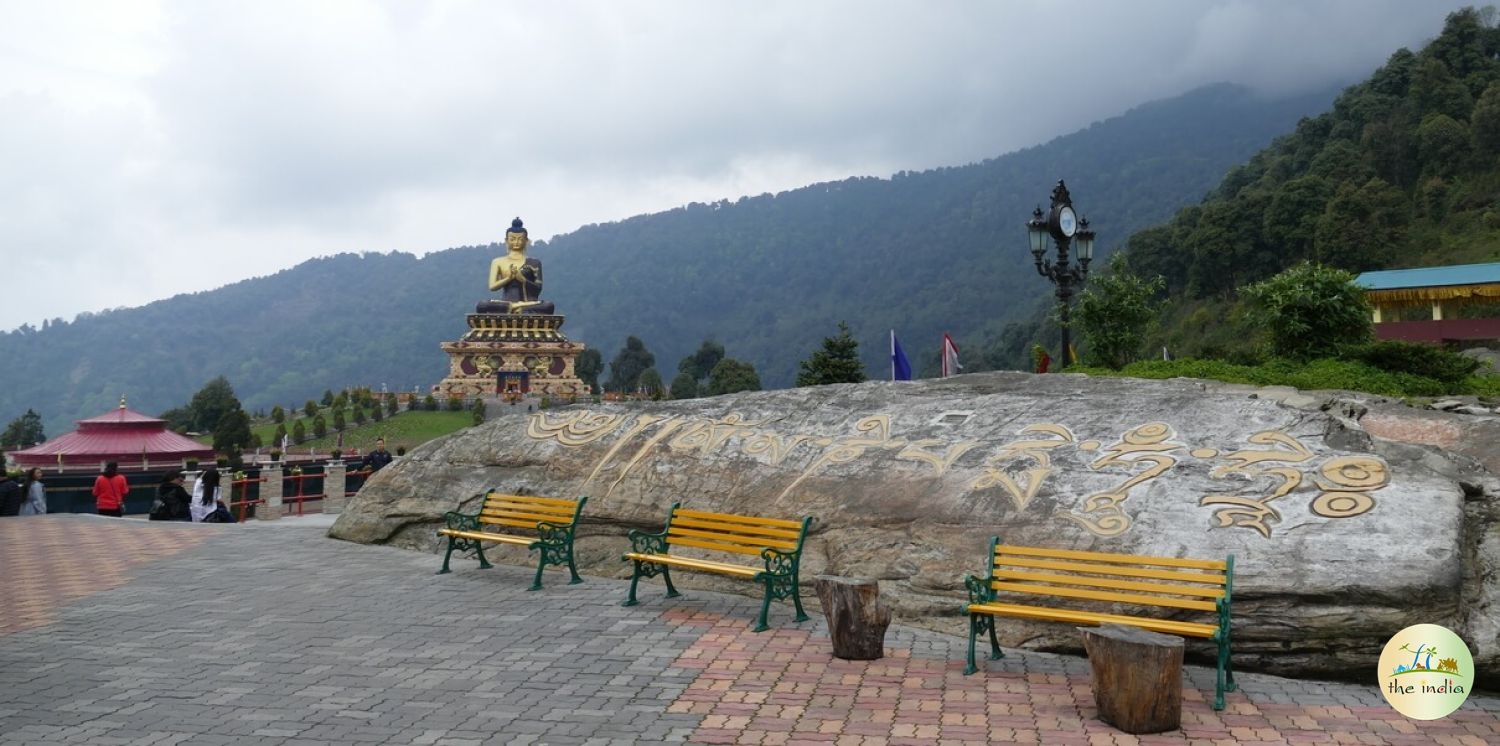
x=696 y=564
x=559 y=502
x=739 y=529
x=488 y=536
x=1188 y=629
x=1126 y=598
x=755 y=542
x=751 y=520
x=1125 y=559
x=1041 y=577
x=1134 y=572
x=717 y=546
x=531 y=516
x=496 y=506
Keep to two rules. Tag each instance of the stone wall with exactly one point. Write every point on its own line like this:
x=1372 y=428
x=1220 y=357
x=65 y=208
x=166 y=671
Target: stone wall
x=1342 y=534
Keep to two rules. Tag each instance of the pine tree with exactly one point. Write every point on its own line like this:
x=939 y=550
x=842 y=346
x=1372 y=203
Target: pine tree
x=837 y=362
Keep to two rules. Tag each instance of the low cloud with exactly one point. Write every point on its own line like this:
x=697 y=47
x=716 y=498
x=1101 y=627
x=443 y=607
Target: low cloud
x=158 y=148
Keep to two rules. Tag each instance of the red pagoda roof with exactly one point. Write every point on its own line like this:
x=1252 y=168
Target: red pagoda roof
x=121 y=435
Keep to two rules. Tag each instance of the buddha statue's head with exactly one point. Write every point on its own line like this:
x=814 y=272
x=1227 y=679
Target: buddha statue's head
x=515 y=238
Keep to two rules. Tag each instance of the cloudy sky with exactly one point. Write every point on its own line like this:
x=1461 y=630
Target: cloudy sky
x=154 y=148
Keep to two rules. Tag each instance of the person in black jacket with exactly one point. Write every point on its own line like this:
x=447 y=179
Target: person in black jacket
x=175 y=501
x=378 y=458
x=10 y=495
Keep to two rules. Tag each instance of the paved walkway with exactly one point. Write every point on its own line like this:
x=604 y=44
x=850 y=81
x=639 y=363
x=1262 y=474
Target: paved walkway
x=129 y=632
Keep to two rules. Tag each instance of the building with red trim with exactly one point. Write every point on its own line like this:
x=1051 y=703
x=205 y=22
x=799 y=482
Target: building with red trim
x=125 y=436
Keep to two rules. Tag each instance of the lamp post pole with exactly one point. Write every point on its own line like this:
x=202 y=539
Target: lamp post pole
x=1064 y=226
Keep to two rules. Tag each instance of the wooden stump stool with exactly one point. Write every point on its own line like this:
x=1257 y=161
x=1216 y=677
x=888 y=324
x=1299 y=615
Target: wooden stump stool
x=856 y=616
x=1137 y=677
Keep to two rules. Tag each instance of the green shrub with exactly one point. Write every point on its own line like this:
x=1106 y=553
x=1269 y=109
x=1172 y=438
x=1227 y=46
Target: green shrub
x=1309 y=311
x=1317 y=374
x=1428 y=361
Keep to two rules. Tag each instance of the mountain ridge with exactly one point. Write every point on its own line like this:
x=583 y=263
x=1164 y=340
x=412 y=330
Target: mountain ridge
x=768 y=276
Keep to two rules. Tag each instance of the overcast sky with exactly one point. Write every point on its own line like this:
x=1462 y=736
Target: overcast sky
x=154 y=148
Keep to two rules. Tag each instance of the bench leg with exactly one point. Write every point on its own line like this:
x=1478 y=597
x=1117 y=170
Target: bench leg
x=635 y=578
x=541 y=562
x=982 y=623
x=484 y=564
x=666 y=575
x=995 y=652
x=1224 y=679
x=797 y=603
x=572 y=568
x=973 y=633
x=765 y=608
x=446 y=555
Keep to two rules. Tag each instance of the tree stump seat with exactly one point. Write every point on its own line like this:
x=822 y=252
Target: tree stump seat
x=1137 y=677
x=857 y=617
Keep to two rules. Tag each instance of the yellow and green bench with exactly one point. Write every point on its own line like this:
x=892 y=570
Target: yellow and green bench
x=552 y=519
x=777 y=541
x=1055 y=584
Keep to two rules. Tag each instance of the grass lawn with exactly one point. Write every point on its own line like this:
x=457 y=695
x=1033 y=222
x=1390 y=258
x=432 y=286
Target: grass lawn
x=405 y=430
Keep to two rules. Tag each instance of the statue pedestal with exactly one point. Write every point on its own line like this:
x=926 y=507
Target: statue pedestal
x=512 y=355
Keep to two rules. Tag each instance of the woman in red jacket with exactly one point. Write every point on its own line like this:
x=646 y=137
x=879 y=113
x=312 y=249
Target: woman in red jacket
x=110 y=490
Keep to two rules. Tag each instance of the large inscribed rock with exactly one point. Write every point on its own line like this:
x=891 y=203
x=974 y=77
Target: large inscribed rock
x=1340 y=538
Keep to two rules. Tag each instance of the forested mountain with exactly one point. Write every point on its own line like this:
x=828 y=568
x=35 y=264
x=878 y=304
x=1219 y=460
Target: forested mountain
x=768 y=276
x=1404 y=171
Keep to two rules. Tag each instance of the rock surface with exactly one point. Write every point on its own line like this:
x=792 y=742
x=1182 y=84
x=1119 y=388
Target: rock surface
x=1350 y=517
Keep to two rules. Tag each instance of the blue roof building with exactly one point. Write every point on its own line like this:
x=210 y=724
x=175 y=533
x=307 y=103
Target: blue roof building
x=1442 y=289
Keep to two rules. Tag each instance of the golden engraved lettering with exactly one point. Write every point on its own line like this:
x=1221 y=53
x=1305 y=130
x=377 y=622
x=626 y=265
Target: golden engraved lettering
x=1344 y=480
x=572 y=428
x=1356 y=473
x=1148 y=443
x=772 y=444
x=641 y=423
x=914 y=452
x=1256 y=513
x=666 y=429
x=995 y=472
x=848 y=449
x=706 y=436
x=1103 y=516
x=1342 y=504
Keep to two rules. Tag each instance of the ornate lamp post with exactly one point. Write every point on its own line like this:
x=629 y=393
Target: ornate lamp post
x=1065 y=227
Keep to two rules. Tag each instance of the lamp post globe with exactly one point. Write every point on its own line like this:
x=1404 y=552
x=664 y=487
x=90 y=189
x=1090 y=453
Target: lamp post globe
x=1065 y=227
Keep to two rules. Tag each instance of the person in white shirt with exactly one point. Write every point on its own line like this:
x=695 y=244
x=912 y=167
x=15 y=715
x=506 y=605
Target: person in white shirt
x=205 y=495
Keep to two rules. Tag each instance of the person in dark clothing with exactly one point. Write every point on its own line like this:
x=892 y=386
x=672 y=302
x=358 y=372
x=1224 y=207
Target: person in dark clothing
x=378 y=458
x=10 y=495
x=175 y=501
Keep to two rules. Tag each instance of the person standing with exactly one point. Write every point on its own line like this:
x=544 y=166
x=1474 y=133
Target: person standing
x=377 y=459
x=35 y=492
x=110 y=489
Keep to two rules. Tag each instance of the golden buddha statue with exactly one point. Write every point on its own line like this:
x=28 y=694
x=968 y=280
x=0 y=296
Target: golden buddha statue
x=518 y=278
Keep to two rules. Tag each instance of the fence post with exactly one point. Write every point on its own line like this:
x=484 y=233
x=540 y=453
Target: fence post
x=270 y=493
x=333 y=487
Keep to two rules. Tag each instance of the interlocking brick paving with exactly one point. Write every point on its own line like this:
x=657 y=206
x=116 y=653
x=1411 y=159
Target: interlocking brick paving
x=271 y=633
x=50 y=561
x=783 y=687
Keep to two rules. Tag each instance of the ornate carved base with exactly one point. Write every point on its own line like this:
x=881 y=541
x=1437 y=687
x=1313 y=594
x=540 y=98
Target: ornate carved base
x=512 y=354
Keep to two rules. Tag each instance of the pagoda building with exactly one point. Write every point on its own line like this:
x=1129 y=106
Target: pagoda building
x=121 y=435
